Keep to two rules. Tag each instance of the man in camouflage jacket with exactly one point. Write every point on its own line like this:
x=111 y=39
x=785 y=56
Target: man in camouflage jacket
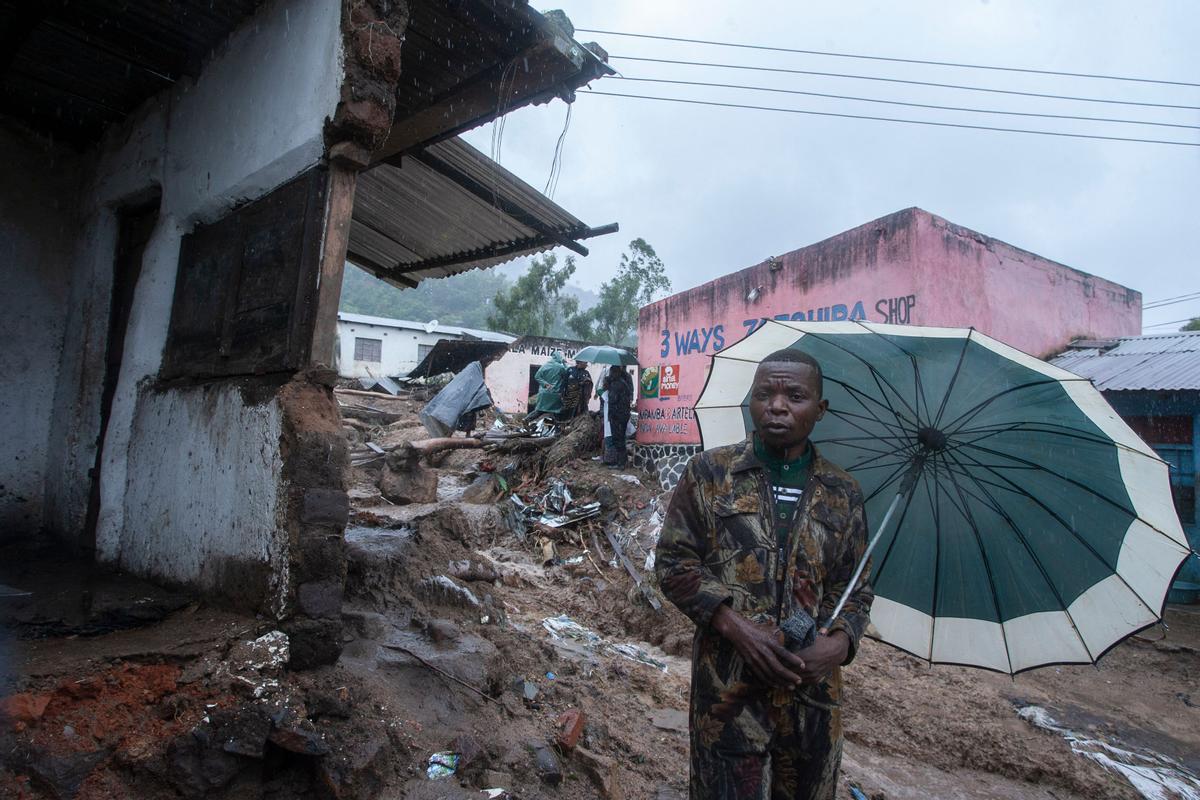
x=765 y=722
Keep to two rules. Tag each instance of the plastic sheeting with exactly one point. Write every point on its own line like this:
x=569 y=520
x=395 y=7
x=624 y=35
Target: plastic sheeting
x=464 y=394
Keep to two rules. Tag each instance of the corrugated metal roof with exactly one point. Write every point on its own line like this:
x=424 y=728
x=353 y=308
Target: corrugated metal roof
x=413 y=325
x=74 y=68
x=1162 y=362
x=450 y=209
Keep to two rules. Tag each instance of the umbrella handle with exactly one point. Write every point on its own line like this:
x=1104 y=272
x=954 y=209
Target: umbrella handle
x=906 y=486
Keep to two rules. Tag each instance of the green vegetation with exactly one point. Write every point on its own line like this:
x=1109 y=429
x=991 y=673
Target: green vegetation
x=464 y=299
x=537 y=300
x=641 y=278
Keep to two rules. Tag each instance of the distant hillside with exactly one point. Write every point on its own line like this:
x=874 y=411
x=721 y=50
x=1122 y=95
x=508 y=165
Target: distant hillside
x=464 y=299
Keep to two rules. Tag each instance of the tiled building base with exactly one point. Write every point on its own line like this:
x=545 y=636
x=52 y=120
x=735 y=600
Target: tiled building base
x=664 y=461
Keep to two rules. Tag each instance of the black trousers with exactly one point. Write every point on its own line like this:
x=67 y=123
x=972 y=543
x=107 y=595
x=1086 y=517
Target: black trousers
x=616 y=426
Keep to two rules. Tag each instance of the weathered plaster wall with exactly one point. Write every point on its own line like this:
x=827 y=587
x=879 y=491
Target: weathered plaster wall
x=38 y=225
x=910 y=267
x=205 y=502
x=253 y=120
x=400 y=349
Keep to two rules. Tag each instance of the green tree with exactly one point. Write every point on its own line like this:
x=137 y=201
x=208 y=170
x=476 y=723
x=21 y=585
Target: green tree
x=641 y=278
x=533 y=304
x=1194 y=325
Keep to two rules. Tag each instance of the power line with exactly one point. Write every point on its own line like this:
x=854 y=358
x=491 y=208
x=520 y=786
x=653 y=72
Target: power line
x=902 y=103
x=1165 y=300
x=894 y=119
x=906 y=81
x=1190 y=299
x=1172 y=322
x=893 y=60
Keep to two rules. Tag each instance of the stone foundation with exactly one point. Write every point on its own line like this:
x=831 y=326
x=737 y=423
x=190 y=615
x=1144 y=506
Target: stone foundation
x=664 y=461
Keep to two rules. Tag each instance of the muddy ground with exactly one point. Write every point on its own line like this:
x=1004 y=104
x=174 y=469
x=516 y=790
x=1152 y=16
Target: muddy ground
x=446 y=651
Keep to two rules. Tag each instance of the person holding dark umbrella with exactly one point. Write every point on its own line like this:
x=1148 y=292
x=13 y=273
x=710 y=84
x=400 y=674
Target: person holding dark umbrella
x=619 y=399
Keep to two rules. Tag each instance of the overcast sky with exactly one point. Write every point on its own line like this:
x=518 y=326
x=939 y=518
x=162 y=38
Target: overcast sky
x=717 y=189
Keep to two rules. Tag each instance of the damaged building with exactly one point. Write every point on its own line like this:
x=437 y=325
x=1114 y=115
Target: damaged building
x=182 y=185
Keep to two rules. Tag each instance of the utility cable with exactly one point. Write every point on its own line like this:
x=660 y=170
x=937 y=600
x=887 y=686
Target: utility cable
x=1172 y=322
x=907 y=104
x=895 y=119
x=1170 y=301
x=905 y=81
x=891 y=59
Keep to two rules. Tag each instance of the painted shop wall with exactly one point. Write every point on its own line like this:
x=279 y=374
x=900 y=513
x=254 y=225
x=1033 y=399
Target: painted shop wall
x=907 y=268
x=38 y=229
x=507 y=377
x=180 y=465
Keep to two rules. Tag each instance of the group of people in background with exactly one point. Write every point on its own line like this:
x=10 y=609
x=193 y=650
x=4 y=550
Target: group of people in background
x=565 y=392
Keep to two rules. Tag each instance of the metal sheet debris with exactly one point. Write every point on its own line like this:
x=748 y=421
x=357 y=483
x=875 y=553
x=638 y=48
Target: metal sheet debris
x=1153 y=775
x=563 y=627
x=442 y=765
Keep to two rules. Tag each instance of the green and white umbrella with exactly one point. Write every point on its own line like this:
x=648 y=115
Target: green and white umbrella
x=1022 y=522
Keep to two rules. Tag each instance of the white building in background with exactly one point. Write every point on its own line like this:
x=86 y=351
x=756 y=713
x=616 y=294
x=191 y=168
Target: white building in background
x=374 y=347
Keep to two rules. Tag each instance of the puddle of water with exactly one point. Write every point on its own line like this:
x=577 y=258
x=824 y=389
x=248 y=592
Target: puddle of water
x=1155 y=776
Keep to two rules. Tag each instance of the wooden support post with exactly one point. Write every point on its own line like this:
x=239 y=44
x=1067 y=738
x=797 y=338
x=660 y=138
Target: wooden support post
x=345 y=162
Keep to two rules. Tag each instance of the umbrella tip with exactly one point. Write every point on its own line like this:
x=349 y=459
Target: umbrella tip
x=931 y=439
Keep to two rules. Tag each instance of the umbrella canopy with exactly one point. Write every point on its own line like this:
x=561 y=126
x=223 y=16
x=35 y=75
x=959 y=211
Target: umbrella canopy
x=602 y=354
x=1034 y=528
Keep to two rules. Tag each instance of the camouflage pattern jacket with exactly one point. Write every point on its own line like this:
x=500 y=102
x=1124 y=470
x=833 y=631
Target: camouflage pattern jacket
x=720 y=522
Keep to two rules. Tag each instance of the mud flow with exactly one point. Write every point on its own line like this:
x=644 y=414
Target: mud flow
x=501 y=640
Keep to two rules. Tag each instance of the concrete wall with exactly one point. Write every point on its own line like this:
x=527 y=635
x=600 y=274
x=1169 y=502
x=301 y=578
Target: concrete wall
x=252 y=120
x=38 y=222
x=909 y=268
x=205 y=510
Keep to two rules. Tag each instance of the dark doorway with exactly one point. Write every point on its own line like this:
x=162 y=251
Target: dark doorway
x=136 y=225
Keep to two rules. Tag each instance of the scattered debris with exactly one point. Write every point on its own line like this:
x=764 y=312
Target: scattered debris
x=569 y=728
x=1155 y=776
x=563 y=627
x=642 y=586
x=549 y=768
x=442 y=765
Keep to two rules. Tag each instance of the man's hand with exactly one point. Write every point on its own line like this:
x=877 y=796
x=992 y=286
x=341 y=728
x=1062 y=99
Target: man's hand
x=823 y=655
x=761 y=647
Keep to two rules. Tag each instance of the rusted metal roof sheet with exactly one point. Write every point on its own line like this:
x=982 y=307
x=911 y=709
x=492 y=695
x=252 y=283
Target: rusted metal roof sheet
x=1161 y=363
x=450 y=209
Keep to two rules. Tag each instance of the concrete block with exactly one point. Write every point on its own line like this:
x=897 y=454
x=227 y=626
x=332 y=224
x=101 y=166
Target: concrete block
x=325 y=507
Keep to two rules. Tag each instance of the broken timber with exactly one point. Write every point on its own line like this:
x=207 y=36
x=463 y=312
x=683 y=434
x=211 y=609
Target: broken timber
x=647 y=592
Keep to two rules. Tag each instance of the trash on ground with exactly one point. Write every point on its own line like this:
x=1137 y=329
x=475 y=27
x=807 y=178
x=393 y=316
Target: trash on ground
x=558 y=497
x=563 y=627
x=442 y=765
x=572 y=516
x=569 y=728
x=1155 y=776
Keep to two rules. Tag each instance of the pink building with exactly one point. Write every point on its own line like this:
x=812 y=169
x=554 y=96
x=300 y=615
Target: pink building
x=910 y=267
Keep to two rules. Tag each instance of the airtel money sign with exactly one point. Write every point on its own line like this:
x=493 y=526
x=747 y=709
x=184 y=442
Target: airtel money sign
x=668 y=381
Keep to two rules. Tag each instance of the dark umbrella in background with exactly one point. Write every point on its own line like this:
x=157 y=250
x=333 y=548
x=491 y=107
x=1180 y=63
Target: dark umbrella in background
x=1022 y=522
